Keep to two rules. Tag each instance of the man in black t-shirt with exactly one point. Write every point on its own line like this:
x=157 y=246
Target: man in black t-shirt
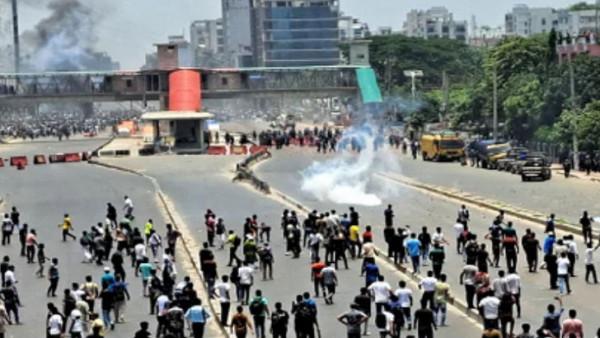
x=363 y=301
x=424 y=322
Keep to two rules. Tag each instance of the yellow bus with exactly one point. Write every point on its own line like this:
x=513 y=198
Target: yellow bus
x=442 y=146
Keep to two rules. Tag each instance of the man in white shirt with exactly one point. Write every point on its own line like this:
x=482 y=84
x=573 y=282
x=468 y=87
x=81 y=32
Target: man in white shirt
x=222 y=291
x=246 y=280
x=76 y=328
x=162 y=305
x=128 y=207
x=405 y=296
x=459 y=228
x=389 y=327
x=467 y=277
x=563 y=264
x=488 y=308
x=572 y=253
x=589 y=264
x=428 y=284
x=314 y=243
x=499 y=285
x=438 y=237
x=55 y=324
x=380 y=292
x=513 y=286
x=9 y=275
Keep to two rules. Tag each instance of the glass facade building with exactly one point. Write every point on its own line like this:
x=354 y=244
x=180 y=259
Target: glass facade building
x=296 y=33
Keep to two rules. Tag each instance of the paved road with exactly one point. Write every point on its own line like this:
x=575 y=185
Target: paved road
x=418 y=209
x=43 y=194
x=205 y=182
x=567 y=198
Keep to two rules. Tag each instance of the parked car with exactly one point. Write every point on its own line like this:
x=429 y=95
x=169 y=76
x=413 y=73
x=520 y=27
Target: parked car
x=536 y=167
x=513 y=155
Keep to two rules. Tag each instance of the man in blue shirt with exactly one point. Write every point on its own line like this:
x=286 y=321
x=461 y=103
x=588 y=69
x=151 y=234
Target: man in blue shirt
x=196 y=317
x=371 y=272
x=108 y=277
x=413 y=247
x=549 y=243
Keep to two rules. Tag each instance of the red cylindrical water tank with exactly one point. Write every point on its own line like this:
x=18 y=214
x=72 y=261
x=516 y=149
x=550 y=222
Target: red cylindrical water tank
x=185 y=92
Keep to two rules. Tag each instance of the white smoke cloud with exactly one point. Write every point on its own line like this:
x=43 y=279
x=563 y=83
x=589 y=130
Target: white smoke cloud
x=348 y=178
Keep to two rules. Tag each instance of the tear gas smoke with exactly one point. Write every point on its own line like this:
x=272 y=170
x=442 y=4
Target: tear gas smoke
x=65 y=40
x=348 y=178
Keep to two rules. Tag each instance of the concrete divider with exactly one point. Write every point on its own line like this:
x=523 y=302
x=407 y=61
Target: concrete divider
x=57 y=158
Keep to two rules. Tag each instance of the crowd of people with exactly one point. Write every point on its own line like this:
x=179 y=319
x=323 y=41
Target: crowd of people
x=94 y=305
x=60 y=125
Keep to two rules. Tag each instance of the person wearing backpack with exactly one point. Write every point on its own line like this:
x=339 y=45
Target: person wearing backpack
x=279 y=322
x=266 y=261
x=259 y=310
x=510 y=245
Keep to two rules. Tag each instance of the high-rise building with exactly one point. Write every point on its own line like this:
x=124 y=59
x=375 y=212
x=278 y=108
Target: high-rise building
x=295 y=32
x=353 y=29
x=6 y=38
x=436 y=22
x=527 y=21
x=237 y=33
x=207 y=43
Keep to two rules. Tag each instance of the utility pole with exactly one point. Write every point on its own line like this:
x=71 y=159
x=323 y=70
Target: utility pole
x=17 y=49
x=575 y=110
x=445 y=88
x=495 y=108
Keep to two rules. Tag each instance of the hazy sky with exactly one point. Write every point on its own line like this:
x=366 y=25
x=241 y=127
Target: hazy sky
x=127 y=29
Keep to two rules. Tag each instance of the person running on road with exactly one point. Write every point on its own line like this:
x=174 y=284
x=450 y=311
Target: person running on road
x=380 y=293
x=363 y=302
x=128 y=207
x=279 y=321
x=442 y=295
x=428 y=285
x=259 y=309
x=196 y=317
x=53 y=277
x=329 y=283
x=7 y=229
x=424 y=322
x=572 y=327
x=413 y=248
x=405 y=297
x=353 y=319
x=67 y=227
x=240 y=324
x=467 y=277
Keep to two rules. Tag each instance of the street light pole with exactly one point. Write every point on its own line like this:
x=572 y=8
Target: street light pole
x=574 y=108
x=413 y=74
x=495 y=103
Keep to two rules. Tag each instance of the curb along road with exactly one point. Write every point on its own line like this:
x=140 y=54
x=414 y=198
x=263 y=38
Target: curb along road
x=482 y=202
x=456 y=303
x=188 y=241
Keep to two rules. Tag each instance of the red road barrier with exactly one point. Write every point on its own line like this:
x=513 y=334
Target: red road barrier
x=239 y=150
x=72 y=157
x=39 y=159
x=58 y=158
x=85 y=156
x=16 y=161
x=20 y=166
x=257 y=149
x=217 y=150
x=1 y=162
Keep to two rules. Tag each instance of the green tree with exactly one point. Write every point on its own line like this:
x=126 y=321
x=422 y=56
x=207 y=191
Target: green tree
x=522 y=105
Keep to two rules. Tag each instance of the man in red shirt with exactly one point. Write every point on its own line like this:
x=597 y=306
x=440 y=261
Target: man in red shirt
x=572 y=325
x=315 y=274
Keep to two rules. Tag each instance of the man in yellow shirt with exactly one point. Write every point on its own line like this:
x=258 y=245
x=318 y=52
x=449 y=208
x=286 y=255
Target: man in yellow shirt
x=442 y=294
x=67 y=226
x=354 y=238
x=148 y=227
